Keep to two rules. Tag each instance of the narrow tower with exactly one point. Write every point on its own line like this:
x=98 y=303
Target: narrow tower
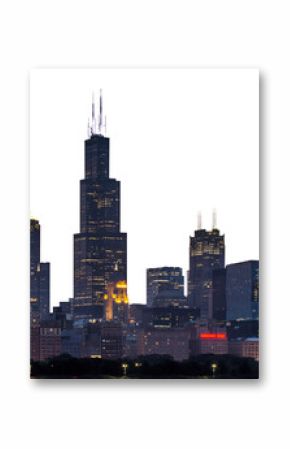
x=206 y=253
x=100 y=245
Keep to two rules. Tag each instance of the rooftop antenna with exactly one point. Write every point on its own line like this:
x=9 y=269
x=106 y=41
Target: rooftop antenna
x=214 y=219
x=89 y=129
x=105 y=126
x=93 y=115
x=199 y=220
x=101 y=112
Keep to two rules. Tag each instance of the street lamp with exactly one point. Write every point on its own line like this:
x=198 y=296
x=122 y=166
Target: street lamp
x=124 y=366
x=213 y=367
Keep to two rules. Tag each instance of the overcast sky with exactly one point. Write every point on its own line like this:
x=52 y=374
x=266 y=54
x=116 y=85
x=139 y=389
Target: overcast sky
x=181 y=141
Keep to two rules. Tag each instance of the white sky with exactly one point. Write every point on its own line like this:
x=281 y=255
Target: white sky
x=182 y=140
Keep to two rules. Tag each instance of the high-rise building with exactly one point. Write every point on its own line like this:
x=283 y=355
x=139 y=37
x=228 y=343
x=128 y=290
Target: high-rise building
x=164 y=283
x=219 y=307
x=206 y=253
x=39 y=277
x=100 y=249
x=242 y=290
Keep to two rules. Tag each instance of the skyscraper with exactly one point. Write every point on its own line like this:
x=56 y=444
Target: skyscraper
x=100 y=249
x=206 y=253
x=39 y=289
x=164 y=282
x=39 y=276
x=242 y=290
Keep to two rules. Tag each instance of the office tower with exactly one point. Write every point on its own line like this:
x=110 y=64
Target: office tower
x=100 y=249
x=206 y=253
x=44 y=291
x=39 y=277
x=34 y=267
x=219 y=310
x=165 y=282
x=242 y=290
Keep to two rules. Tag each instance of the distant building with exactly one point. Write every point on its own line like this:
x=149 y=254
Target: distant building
x=112 y=340
x=165 y=283
x=50 y=339
x=219 y=305
x=44 y=289
x=39 y=290
x=136 y=313
x=206 y=253
x=169 y=317
x=248 y=347
x=172 y=342
x=242 y=329
x=73 y=342
x=210 y=343
x=39 y=276
x=242 y=290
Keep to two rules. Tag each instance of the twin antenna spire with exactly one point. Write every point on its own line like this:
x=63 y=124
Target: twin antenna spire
x=92 y=127
x=214 y=220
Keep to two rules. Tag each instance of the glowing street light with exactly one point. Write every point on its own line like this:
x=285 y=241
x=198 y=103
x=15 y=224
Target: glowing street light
x=125 y=366
x=213 y=367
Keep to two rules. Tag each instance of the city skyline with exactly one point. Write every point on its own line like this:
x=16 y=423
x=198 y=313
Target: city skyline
x=169 y=195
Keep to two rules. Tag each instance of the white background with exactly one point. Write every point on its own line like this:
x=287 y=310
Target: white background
x=130 y=33
x=182 y=141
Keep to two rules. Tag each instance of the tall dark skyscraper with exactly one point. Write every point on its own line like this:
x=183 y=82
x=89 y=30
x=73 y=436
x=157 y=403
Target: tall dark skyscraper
x=39 y=276
x=100 y=249
x=242 y=290
x=206 y=253
x=39 y=289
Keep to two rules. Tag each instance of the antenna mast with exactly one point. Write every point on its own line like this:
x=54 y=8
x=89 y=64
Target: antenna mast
x=93 y=115
x=199 y=220
x=214 y=219
x=101 y=113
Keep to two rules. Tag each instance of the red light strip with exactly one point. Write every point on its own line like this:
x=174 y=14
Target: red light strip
x=211 y=336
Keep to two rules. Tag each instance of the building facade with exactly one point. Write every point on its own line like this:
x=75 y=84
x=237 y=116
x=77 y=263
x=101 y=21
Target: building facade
x=206 y=253
x=164 y=283
x=242 y=290
x=219 y=305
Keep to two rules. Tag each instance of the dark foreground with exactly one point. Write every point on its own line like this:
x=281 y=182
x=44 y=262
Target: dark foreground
x=149 y=367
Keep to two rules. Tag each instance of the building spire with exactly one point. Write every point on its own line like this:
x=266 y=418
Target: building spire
x=199 y=220
x=214 y=219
